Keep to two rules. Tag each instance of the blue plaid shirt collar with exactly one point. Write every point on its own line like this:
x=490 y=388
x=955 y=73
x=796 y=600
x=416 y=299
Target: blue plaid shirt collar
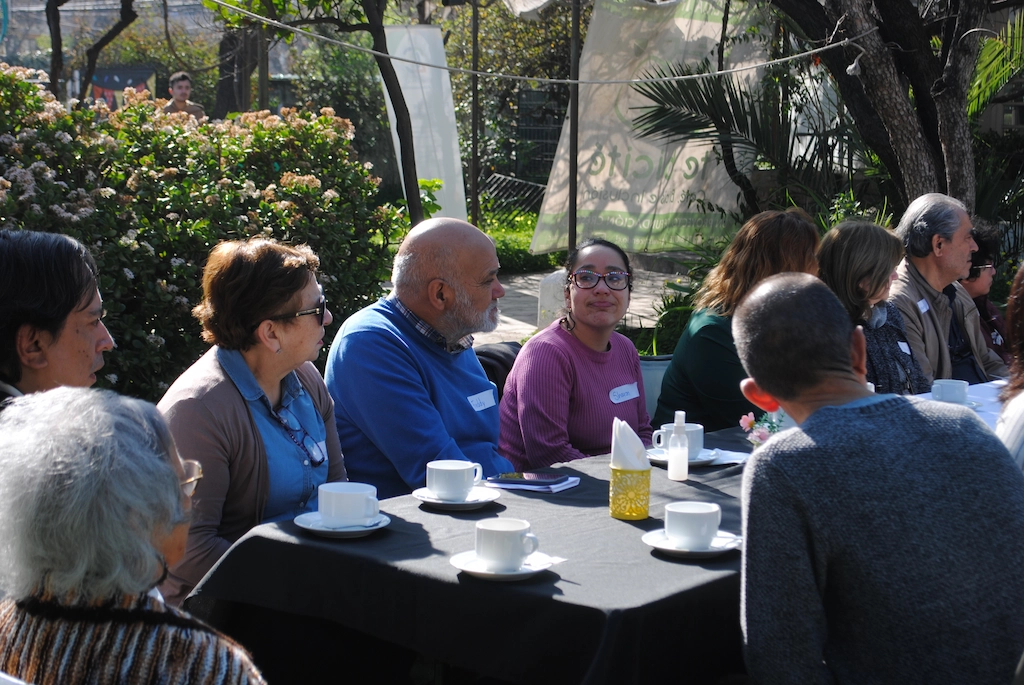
x=430 y=332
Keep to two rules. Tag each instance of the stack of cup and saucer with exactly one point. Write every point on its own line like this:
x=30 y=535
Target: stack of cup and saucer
x=345 y=510
x=691 y=530
x=505 y=550
x=455 y=484
x=657 y=453
x=952 y=391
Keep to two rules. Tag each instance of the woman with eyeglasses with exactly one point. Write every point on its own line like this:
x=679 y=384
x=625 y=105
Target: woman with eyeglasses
x=704 y=376
x=978 y=284
x=857 y=260
x=94 y=506
x=254 y=411
x=571 y=379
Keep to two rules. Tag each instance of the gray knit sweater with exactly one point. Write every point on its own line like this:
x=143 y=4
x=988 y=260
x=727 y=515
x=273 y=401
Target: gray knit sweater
x=884 y=544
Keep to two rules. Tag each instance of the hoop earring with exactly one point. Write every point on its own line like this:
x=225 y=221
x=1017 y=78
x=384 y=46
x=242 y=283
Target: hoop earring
x=568 y=322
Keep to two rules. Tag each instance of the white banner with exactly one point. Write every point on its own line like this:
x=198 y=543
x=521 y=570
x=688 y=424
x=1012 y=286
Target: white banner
x=428 y=95
x=642 y=194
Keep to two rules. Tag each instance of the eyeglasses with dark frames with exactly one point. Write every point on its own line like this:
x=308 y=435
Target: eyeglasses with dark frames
x=318 y=310
x=587 y=279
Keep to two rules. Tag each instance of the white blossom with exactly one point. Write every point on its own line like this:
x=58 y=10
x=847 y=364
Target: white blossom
x=129 y=274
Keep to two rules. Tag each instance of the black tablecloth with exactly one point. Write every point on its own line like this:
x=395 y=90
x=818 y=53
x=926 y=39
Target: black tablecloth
x=614 y=612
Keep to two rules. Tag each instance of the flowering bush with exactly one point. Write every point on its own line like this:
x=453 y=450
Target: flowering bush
x=152 y=193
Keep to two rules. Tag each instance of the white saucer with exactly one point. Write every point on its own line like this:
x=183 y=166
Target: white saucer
x=311 y=521
x=723 y=542
x=476 y=498
x=659 y=456
x=534 y=564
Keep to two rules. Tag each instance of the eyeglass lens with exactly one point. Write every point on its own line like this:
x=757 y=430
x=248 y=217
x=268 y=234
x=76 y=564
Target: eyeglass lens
x=616 y=280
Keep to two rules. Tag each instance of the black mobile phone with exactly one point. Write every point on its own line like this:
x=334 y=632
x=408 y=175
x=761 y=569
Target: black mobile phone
x=529 y=478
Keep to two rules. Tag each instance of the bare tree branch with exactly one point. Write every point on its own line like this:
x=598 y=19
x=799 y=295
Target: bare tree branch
x=337 y=24
x=128 y=15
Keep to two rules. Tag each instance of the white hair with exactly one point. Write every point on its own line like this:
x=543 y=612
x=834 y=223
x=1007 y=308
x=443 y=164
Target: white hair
x=927 y=216
x=85 y=484
x=413 y=270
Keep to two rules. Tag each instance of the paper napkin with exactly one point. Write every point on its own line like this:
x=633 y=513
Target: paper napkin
x=628 y=450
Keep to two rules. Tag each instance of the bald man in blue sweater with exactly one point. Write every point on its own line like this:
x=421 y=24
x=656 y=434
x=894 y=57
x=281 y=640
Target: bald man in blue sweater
x=407 y=386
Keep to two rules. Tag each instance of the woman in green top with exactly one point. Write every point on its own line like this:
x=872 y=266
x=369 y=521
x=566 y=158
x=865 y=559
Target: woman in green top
x=704 y=376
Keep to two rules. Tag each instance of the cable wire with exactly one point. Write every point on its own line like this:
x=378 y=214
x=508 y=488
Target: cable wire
x=539 y=79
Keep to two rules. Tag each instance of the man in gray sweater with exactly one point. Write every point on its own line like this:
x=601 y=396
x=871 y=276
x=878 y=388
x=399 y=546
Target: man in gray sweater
x=884 y=537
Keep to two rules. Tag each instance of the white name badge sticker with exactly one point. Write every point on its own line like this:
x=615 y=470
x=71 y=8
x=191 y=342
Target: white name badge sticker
x=922 y=305
x=482 y=400
x=623 y=392
x=903 y=346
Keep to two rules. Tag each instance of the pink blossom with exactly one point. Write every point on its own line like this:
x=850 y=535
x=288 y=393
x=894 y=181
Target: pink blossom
x=761 y=434
x=747 y=422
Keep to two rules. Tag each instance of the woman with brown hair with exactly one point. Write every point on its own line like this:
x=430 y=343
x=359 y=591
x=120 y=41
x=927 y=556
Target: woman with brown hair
x=704 y=376
x=857 y=260
x=1010 y=426
x=254 y=411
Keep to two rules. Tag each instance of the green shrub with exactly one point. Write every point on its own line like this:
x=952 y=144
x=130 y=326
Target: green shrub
x=662 y=338
x=151 y=194
x=512 y=241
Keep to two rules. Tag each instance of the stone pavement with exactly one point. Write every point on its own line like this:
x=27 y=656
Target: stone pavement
x=519 y=306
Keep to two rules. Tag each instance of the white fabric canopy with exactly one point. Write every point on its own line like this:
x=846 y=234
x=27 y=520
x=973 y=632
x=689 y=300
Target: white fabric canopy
x=428 y=95
x=635 y=191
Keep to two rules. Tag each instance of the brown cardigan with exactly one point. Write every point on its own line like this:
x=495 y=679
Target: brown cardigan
x=210 y=422
x=928 y=331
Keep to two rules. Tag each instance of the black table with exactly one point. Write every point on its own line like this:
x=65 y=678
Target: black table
x=614 y=612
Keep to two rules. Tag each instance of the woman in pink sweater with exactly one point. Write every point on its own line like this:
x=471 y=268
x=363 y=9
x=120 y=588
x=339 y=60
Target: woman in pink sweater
x=575 y=376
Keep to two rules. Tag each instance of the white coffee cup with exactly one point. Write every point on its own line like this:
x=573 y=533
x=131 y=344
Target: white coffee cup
x=692 y=525
x=503 y=544
x=661 y=436
x=452 y=479
x=950 y=390
x=694 y=437
x=343 y=505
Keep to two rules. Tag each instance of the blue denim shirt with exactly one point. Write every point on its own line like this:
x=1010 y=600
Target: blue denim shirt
x=294 y=438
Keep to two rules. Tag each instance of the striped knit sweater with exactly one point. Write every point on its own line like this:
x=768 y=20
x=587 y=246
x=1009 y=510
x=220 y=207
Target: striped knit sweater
x=561 y=396
x=129 y=640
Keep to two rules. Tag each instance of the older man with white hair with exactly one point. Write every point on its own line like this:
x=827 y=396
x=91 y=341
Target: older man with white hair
x=943 y=325
x=407 y=386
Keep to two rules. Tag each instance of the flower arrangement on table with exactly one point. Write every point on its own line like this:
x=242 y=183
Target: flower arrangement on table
x=763 y=428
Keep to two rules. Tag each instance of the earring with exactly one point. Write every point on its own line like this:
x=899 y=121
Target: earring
x=278 y=351
x=568 y=323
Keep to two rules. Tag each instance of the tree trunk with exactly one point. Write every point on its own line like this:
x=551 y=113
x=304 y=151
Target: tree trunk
x=56 y=43
x=238 y=52
x=403 y=123
x=810 y=17
x=950 y=93
x=128 y=15
x=888 y=94
x=929 y=140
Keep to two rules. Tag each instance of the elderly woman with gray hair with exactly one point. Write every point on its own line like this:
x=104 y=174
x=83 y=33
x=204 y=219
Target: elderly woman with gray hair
x=94 y=505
